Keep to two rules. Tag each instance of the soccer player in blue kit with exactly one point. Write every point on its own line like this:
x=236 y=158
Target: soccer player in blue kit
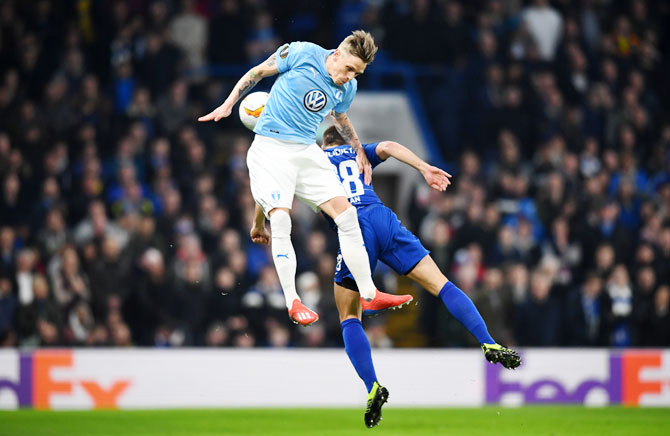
x=386 y=239
x=284 y=159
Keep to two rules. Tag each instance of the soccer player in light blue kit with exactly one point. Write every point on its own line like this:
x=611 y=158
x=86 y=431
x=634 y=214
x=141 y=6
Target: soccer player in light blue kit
x=284 y=159
x=386 y=239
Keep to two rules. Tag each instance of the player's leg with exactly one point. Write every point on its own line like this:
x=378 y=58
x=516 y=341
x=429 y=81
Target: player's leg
x=273 y=187
x=428 y=275
x=405 y=254
x=357 y=347
x=372 y=233
x=351 y=243
x=283 y=255
x=319 y=187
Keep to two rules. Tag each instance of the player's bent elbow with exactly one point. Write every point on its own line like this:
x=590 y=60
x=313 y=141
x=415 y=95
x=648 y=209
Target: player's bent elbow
x=385 y=149
x=260 y=71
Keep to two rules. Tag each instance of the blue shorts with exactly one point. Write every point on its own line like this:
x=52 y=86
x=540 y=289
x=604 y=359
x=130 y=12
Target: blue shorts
x=386 y=239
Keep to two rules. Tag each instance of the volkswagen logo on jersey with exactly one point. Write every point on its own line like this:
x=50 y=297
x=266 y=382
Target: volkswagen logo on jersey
x=315 y=100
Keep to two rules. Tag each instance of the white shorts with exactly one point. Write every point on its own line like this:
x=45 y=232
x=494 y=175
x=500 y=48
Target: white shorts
x=279 y=169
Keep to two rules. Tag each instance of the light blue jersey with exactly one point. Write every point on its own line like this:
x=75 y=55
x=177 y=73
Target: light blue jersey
x=302 y=95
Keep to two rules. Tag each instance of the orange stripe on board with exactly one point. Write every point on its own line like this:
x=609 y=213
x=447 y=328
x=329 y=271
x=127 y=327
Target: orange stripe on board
x=44 y=386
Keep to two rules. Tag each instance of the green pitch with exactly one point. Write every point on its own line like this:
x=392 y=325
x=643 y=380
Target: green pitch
x=489 y=421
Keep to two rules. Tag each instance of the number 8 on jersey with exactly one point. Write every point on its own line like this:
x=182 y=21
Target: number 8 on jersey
x=351 y=180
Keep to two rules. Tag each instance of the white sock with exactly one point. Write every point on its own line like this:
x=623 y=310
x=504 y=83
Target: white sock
x=283 y=254
x=353 y=252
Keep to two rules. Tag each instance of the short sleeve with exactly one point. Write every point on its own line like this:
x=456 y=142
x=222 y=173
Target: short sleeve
x=371 y=153
x=288 y=55
x=343 y=106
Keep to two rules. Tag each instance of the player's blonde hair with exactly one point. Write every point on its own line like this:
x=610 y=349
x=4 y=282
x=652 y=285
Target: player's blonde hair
x=360 y=44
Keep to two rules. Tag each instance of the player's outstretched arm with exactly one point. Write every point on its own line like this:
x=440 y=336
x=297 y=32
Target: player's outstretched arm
x=259 y=234
x=346 y=129
x=243 y=86
x=436 y=178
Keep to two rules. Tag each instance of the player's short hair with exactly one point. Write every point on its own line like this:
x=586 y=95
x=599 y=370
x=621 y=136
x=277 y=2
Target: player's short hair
x=360 y=44
x=332 y=137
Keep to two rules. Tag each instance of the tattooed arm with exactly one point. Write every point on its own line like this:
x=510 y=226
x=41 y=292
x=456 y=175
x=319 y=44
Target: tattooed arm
x=346 y=129
x=243 y=86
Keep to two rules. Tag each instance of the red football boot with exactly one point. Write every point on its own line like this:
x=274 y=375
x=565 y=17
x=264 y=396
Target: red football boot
x=384 y=301
x=300 y=314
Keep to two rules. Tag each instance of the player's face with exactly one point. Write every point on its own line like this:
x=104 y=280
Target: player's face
x=345 y=67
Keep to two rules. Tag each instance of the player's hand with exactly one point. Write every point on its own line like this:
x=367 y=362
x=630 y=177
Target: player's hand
x=218 y=113
x=436 y=178
x=260 y=235
x=364 y=165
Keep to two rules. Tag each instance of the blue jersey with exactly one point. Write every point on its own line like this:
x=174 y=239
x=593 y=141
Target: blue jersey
x=385 y=237
x=302 y=95
x=344 y=158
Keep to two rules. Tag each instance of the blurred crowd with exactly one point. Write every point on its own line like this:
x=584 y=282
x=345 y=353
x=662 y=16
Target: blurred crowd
x=125 y=222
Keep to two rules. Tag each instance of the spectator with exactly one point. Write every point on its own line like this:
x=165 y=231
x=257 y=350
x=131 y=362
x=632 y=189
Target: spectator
x=110 y=276
x=537 y=319
x=217 y=335
x=660 y=319
x=545 y=26
x=70 y=282
x=26 y=263
x=568 y=252
x=452 y=35
x=152 y=304
x=227 y=33
x=565 y=169
x=144 y=238
x=264 y=300
x=40 y=321
x=664 y=253
x=8 y=306
x=262 y=39
x=494 y=302
x=7 y=250
x=13 y=210
x=587 y=318
x=188 y=31
x=54 y=235
x=80 y=323
x=505 y=250
x=621 y=294
x=158 y=68
x=173 y=108
x=644 y=304
x=97 y=227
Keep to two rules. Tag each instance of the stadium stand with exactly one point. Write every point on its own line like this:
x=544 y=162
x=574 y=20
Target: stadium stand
x=125 y=222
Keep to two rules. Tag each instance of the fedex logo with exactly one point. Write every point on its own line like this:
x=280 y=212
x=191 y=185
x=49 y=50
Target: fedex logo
x=39 y=378
x=631 y=378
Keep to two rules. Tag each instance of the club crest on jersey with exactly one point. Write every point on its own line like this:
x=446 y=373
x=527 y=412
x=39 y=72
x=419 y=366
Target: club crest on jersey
x=284 y=52
x=315 y=100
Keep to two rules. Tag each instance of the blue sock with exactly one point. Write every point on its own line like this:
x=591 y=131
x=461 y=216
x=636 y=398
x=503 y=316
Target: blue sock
x=464 y=310
x=357 y=346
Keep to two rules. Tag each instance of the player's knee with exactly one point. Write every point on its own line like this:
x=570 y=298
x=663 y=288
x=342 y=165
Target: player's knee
x=347 y=220
x=280 y=224
x=341 y=204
